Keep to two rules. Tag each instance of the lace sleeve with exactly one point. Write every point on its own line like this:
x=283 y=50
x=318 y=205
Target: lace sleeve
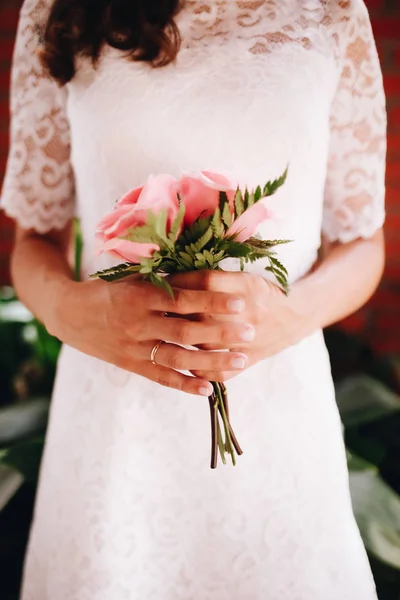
x=38 y=188
x=355 y=185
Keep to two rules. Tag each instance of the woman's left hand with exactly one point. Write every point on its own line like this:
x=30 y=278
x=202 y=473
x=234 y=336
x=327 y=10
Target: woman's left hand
x=274 y=320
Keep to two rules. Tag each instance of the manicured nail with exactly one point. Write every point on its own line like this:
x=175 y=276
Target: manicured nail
x=238 y=363
x=236 y=306
x=248 y=334
x=204 y=391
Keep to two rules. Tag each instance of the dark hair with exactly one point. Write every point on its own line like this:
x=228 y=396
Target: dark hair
x=144 y=28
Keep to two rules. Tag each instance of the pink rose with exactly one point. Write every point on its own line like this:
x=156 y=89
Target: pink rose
x=199 y=193
x=246 y=225
x=159 y=193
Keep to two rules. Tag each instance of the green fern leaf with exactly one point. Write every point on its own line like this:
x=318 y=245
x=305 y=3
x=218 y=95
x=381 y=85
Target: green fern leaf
x=223 y=200
x=176 y=225
x=278 y=264
x=272 y=186
x=227 y=215
x=216 y=224
x=117 y=272
x=238 y=204
x=161 y=282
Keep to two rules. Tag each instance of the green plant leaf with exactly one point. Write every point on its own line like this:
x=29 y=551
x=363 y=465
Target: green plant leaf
x=192 y=234
x=278 y=264
x=272 y=186
x=117 y=272
x=227 y=215
x=239 y=204
x=161 y=282
x=78 y=243
x=216 y=224
x=24 y=458
x=258 y=194
x=266 y=244
x=203 y=241
x=246 y=199
x=186 y=260
x=176 y=225
x=251 y=200
x=237 y=250
x=377 y=510
x=223 y=201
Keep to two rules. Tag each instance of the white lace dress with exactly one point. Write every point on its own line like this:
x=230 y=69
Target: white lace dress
x=128 y=508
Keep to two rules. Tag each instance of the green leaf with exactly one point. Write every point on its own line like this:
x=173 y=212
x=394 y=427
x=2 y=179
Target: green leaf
x=78 y=240
x=162 y=283
x=176 y=225
x=160 y=222
x=192 y=234
x=272 y=186
x=246 y=199
x=377 y=510
x=203 y=241
x=227 y=215
x=238 y=203
x=189 y=250
x=257 y=194
x=145 y=234
x=216 y=224
x=201 y=261
x=237 y=250
x=278 y=264
x=186 y=260
x=266 y=244
x=24 y=458
x=251 y=200
x=117 y=272
x=223 y=201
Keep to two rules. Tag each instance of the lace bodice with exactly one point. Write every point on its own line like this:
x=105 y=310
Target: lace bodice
x=306 y=73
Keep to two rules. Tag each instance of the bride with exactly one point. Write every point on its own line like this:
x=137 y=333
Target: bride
x=103 y=94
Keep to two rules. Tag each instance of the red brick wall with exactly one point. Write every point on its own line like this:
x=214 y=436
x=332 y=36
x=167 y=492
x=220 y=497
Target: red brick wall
x=380 y=320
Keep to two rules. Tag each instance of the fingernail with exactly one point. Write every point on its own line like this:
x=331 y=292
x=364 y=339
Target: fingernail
x=204 y=391
x=238 y=363
x=248 y=334
x=236 y=306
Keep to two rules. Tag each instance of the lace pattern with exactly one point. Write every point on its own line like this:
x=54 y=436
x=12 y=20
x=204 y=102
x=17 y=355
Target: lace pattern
x=355 y=186
x=38 y=188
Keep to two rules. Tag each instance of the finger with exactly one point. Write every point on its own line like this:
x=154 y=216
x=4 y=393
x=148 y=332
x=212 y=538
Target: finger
x=173 y=379
x=220 y=376
x=216 y=281
x=181 y=359
x=188 y=301
x=190 y=333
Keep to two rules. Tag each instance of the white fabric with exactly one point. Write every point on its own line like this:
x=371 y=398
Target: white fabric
x=128 y=508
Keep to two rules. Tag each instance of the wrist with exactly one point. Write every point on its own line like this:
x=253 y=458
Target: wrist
x=306 y=307
x=60 y=305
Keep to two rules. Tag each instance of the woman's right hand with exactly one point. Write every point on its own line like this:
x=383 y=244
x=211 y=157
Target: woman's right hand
x=121 y=323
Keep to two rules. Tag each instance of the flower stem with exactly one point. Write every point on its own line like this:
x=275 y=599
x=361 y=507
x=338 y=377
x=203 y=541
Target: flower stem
x=224 y=393
x=221 y=407
x=214 y=430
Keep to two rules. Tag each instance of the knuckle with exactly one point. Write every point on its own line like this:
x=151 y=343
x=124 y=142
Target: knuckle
x=174 y=360
x=225 y=335
x=165 y=382
x=183 y=334
x=208 y=278
x=179 y=300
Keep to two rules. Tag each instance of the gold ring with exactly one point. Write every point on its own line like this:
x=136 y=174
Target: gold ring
x=155 y=350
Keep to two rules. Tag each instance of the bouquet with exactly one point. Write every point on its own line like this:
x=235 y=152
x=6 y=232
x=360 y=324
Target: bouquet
x=169 y=225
